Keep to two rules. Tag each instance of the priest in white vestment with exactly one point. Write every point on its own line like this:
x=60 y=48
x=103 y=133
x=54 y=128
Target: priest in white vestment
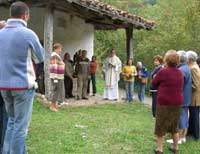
x=111 y=68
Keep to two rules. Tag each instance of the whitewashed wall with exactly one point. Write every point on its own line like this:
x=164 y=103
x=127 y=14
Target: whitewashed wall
x=73 y=33
x=69 y=30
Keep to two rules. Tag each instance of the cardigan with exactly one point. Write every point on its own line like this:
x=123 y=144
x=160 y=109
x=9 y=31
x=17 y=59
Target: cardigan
x=187 y=84
x=19 y=47
x=129 y=70
x=57 y=67
x=169 y=82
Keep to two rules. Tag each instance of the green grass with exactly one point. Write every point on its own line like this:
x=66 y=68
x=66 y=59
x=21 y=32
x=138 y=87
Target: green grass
x=110 y=129
x=100 y=86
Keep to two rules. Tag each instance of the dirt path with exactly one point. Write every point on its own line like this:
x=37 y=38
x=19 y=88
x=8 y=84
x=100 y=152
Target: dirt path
x=93 y=100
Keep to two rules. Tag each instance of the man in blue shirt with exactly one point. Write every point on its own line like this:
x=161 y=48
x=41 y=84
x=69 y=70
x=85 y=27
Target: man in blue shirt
x=3 y=115
x=20 y=46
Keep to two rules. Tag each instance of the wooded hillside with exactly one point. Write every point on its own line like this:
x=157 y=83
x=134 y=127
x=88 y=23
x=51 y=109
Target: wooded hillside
x=177 y=27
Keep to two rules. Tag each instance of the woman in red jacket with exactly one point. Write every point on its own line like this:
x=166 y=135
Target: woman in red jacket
x=169 y=82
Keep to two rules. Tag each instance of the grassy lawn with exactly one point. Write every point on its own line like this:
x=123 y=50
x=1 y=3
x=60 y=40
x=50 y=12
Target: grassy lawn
x=103 y=129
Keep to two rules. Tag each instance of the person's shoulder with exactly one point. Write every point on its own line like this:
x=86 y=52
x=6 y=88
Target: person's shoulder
x=144 y=68
x=30 y=33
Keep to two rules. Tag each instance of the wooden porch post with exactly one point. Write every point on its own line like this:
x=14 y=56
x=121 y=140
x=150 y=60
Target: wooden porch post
x=48 y=46
x=129 y=42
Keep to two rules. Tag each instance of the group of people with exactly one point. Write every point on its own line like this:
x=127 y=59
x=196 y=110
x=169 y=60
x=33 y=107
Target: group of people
x=112 y=70
x=175 y=84
x=175 y=88
x=62 y=73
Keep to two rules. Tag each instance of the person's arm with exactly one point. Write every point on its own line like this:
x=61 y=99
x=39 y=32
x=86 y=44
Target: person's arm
x=89 y=63
x=145 y=73
x=54 y=67
x=118 y=67
x=134 y=71
x=123 y=71
x=67 y=71
x=36 y=47
x=195 y=78
x=156 y=80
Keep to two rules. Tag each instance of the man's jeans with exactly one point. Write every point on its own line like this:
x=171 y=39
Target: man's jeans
x=3 y=122
x=129 y=91
x=141 y=91
x=19 y=109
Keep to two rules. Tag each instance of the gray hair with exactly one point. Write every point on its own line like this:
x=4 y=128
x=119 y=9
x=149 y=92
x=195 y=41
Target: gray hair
x=139 y=63
x=192 y=56
x=183 y=56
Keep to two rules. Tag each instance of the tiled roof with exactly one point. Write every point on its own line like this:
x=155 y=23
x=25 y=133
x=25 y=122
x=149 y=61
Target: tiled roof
x=101 y=15
x=114 y=13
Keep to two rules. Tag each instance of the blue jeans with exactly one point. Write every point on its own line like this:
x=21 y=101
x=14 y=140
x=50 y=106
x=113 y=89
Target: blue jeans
x=3 y=122
x=129 y=91
x=19 y=109
x=141 y=91
x=93 y=78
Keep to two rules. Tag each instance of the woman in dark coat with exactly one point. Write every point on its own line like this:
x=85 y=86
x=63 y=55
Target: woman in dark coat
x=158 y=60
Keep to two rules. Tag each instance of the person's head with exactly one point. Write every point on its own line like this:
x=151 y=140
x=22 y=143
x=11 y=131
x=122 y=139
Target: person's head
x=171 y=58
x=84 y=53
x=94 y=58
x=157 y=60
x=129 y=61
x=191 y=56
x=139 y=64
x=19 y=10
x=2 y=24
x=67 y=56
x=57 y=47
x=112 y=52
x=183 y=56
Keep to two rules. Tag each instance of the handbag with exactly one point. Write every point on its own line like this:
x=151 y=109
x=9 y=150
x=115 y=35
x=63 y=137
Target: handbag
x=144 y=80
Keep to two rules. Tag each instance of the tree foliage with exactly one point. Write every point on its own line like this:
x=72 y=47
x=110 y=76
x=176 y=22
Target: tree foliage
x=177 y=27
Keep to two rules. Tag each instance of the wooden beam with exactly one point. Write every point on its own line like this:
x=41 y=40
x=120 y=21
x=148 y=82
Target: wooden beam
x=48 y=46
x=129 y=42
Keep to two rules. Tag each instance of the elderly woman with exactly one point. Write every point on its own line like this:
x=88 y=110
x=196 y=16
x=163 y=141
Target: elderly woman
x=169 y=82
x=142 y=77
x=193 y=129
x=187 y=97
x=57 y=69
x=158 y=60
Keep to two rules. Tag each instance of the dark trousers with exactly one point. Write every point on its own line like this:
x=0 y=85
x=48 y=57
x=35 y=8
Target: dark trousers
x=193 y=129
x=3 y=121
x=153 y=107
x=94 y=89
x=68 y=87
x=41 y=86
